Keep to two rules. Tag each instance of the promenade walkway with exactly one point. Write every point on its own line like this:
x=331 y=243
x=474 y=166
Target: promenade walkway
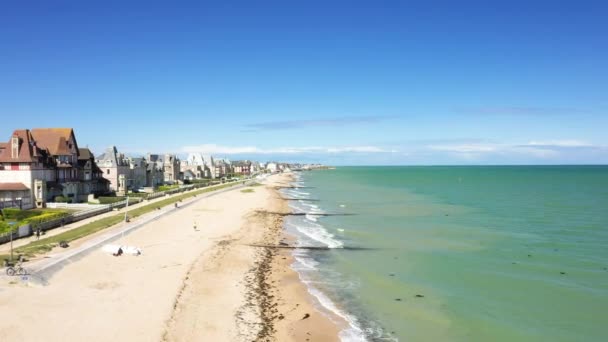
x=40 y=270
x=6 y=247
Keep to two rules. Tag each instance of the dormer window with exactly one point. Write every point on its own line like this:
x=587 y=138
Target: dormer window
x=15 y=147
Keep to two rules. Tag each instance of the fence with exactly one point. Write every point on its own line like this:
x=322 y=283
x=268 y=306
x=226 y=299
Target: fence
x=97 y=209
x=59 y=205
x=11 y=204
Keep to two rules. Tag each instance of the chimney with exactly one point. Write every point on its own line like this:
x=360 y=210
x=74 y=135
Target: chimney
x=15 y=147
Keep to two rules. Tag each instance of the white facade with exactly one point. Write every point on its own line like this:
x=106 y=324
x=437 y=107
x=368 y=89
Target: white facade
x=272 y=167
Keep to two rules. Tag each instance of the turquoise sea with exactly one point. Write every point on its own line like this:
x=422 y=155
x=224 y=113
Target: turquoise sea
x=496 y=253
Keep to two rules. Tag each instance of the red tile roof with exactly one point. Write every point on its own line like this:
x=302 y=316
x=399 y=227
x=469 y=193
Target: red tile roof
x=54 y=139
x=13 y=186
x=25 y=148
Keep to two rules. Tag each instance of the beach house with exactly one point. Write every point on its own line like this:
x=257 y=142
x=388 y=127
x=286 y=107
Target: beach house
x=42 y=164
x=116 y=169
x=171 y=168
x=242 y=167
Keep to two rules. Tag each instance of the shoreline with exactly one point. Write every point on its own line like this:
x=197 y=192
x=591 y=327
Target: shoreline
x=274 y=300
x=303 y=319
x=200 y=277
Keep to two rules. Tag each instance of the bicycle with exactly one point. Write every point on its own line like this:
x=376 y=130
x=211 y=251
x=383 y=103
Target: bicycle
x=11 y=270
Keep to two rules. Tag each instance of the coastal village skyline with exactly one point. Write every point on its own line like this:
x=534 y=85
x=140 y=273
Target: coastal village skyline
x=43 y=165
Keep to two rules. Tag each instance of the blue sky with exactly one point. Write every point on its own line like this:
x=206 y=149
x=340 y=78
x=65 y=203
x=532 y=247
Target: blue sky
x=351 y=82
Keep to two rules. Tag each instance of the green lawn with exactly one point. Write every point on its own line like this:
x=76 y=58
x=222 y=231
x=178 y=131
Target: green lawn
x=167 y=187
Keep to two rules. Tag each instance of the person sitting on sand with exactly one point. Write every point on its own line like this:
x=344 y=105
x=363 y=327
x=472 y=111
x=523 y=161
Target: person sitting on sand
x=118 y=252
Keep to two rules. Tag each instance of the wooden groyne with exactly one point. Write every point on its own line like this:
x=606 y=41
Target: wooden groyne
x=294 y=187
x=314 y=248
x=303 y=214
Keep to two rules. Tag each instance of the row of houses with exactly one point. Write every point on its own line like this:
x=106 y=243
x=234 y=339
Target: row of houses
x=44 y=164
x=198 y=166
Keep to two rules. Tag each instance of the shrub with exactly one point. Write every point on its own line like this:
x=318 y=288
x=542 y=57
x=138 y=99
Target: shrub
x=143 y=195
x=167 y=187
x=110 y=200
x=45 y=217
x=4 y=227
x=15 y=214
x=62 y=199
x=33 y=217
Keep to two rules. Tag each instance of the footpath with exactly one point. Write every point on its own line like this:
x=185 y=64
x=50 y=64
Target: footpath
x=40 y=270
x=6 y=248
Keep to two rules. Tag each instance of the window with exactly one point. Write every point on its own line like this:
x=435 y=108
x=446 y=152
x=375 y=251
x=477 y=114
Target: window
x=108 y=171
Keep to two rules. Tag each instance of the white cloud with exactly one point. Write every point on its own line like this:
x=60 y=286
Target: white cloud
x=536 y=149
x=560 y=143
x=465 y=148
x=219 y=149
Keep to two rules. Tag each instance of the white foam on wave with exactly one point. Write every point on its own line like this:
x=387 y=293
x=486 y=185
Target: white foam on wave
x=353 y=333
x=309 y=205
x=294 y=206
x=310 y=229
x=317 y=233
x=311 y=208
x=311 y=217
x=304 y=263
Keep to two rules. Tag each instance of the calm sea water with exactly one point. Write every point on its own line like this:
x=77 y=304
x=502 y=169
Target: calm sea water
x=458 y=253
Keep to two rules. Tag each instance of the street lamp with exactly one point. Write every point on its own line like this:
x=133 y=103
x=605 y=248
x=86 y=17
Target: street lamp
x=126 y=210
x=10 y=231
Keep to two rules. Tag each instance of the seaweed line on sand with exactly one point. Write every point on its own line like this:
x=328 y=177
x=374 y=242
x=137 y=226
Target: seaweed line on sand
x=261 y=296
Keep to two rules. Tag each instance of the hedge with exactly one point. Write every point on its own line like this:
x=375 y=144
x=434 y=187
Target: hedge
x=34 y=216
x=110 y=200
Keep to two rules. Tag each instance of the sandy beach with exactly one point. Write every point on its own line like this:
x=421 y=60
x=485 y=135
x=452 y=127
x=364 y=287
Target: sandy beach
x=209 y=283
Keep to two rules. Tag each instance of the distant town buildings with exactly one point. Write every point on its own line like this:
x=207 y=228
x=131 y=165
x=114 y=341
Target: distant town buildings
x=155 y=171
x=272 y=167
x=242 y=167
x=171 y=168
x=45 y=165
x=115 y=168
